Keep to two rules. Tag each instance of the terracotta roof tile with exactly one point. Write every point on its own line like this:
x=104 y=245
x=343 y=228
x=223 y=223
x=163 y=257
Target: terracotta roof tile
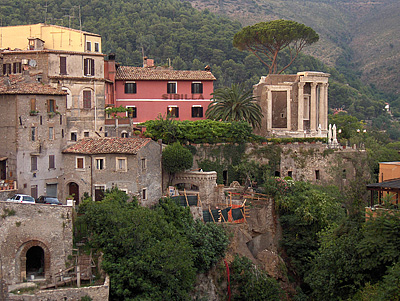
x=143 y=73
x=90 y=146
x=19 y=84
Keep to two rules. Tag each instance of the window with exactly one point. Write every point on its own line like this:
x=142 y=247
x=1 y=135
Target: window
x=33 y=133
x=52 y=163
x=100 y=163
x=73 y=136
x=88 y=67
x=171 y=88
x=17 y=67
x=51 y=106
x=144 y=194
x=173 y=111
x=6 y=69
x=86 y=134
x=51 y=133
x=290 y=173
x=130 y=88
x=121 y=164
x=33 y=105
x=96 y=47
x=80 y=163
x=33 y=163
x=143 y=163
x=87 y=99
x=63 y=65
x=124 y=134
x=197 y=88
x=89 y=46
x=317 y=176
x=34 y=191
x=344 y=174
x=197 y=112
x=132 y=112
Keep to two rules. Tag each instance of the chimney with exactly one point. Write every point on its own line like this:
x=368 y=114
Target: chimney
x=148 y=62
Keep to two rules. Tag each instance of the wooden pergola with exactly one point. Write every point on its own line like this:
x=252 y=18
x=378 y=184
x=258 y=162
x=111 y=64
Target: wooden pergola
x=391 y=186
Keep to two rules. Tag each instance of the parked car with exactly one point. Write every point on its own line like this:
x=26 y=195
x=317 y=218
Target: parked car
x=43 y=199
x=22 y=198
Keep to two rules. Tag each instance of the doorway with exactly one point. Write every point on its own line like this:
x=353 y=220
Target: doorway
x=74 y=191
x=35 y=263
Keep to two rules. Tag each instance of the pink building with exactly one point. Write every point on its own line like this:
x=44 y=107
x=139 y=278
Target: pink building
x=150 y=91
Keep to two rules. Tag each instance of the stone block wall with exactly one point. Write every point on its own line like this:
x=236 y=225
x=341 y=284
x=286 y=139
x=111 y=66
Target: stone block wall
x=27 y=225
x=97 y=293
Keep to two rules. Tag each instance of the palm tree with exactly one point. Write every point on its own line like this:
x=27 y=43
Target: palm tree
x=234 y=104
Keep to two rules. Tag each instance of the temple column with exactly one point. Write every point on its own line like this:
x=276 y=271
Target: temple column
x=300 y=107
x=325 y=124
x=322 y=108
x=313 y=109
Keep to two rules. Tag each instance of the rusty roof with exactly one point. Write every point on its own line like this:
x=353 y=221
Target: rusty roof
x=90 y=146
x=25 y=84
x=148 y=73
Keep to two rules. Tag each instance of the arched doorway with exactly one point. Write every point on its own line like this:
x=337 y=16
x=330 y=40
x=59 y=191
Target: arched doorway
x=34 y=260
x=74 y=191
x=35 y=263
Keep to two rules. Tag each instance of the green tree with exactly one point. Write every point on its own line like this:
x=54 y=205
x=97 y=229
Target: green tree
x=176 y=158
x=266 y=39
x=150 y=254
x=251 y=283
x=234 y=104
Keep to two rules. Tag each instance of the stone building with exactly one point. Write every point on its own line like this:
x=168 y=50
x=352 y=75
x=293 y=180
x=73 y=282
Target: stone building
x=35 y=240
x=293 y=105
x=32 y=130
x=62 y=57
x=131 y=164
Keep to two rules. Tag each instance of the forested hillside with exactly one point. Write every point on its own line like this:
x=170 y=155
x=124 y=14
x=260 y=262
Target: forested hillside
x=173 y=31
x=354 y=34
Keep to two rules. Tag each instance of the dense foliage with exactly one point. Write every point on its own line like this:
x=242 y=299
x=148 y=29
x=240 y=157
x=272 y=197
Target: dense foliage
x=251 y=283
x=355 y=256
x=151 y=254
x=235 y=104
x=304 y=211
x=201 y=131
x=176 y=158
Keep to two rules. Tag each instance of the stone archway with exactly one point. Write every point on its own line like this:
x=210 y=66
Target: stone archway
x=35 y=256
x=204 y=181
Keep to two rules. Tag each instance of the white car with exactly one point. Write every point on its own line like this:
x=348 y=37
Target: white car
x=22 y=198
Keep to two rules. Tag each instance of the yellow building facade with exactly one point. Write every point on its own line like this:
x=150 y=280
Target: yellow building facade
x=389 y=171
x=54 y=38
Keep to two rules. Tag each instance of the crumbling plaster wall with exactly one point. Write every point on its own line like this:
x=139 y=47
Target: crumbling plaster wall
x=25 y=225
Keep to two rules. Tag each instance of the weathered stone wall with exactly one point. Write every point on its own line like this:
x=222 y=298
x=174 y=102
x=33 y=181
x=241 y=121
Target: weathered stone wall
x=27 y=225
x=313 y=162
x=318 y=164
x=205 y=181
x=97 y=293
